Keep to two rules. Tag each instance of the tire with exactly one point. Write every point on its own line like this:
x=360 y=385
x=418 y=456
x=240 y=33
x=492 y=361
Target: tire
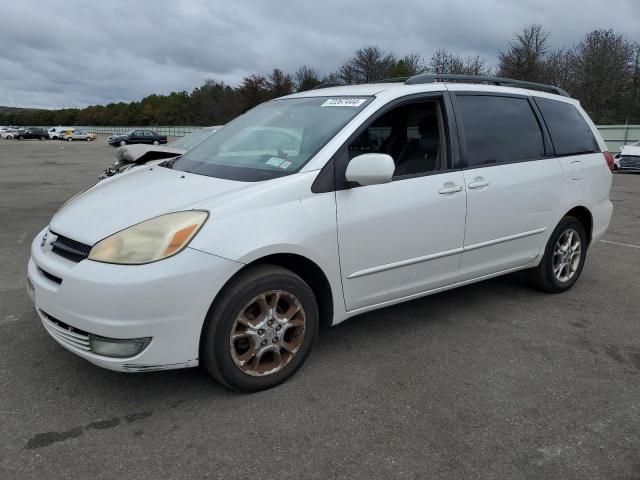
x=20 y=137
x=41 y=138
x=123 y=143
x=88 y=139
x=156 y=142
x=70 y=139
x=221 y=356
x=545 y=276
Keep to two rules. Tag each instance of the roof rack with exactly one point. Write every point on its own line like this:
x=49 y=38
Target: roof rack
x=392 y=80
x=507 y=82
x=328 y=85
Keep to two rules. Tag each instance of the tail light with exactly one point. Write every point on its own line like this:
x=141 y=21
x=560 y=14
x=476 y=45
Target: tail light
x=608 y=157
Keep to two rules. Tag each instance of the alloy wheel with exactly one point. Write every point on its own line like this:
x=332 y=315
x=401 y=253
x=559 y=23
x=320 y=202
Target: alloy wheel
x=267 y=333
x=566 y=255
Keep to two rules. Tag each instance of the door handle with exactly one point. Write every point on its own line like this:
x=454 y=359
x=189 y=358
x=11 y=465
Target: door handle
x=450 y=189
x=478 y=182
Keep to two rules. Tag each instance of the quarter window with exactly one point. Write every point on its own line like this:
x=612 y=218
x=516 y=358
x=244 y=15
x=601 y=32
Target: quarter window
x=568 y=129
x=499 y=129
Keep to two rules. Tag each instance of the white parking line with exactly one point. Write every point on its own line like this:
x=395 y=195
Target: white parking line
x=620 y=244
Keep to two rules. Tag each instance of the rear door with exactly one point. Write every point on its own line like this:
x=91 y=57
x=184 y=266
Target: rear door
x=514 y=184
x=137 y=137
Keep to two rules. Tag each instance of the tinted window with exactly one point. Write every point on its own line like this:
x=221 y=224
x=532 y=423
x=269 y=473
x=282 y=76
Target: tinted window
x=499 y=129
x=569 y=131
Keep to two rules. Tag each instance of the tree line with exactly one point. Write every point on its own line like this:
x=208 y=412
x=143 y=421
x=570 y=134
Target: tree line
x=602 y=71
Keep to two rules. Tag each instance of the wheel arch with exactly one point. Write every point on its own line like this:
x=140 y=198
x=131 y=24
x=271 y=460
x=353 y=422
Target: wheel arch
x=306 y=269
x=584 y=216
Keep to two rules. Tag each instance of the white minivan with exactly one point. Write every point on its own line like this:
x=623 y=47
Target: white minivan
x=313 y=208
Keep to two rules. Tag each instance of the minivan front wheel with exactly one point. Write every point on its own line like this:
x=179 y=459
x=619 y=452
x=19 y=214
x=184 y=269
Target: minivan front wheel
x=563 y=259
x=260 y=330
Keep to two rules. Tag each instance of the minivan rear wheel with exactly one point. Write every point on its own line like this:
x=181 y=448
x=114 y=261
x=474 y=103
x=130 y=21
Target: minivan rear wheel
x=563 y=258
x=260 y=330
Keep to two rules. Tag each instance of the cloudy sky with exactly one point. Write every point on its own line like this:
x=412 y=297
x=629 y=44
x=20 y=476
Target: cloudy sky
x=77 y=53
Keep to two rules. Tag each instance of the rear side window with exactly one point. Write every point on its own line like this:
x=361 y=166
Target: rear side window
x=499 y=129
x=569 y=131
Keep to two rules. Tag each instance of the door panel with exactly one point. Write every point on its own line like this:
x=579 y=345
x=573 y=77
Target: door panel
x=508 y=211
x=400 y=238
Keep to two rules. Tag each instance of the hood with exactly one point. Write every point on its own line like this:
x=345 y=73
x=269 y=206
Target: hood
x=140 y=153
x=630 y=150
x=133 y=197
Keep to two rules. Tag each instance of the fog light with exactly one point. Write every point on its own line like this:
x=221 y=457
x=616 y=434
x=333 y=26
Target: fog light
x=116 y=347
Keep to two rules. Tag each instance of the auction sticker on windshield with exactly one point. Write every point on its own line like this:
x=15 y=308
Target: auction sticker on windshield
x=344 y=102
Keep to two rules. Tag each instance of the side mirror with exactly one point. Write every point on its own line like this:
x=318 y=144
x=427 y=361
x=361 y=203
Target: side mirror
x=370 y=169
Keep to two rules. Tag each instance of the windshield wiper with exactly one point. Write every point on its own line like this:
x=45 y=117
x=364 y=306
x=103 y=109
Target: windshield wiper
x=169 y=163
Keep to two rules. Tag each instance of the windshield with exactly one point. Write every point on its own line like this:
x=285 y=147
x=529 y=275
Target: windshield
x=274 y=139
x=191 y=140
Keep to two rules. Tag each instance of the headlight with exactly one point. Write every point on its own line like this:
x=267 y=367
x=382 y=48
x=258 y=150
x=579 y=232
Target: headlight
x=149 y=241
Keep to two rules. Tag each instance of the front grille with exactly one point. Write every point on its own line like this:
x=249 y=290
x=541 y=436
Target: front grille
x=70 y=249
x=629 y=162
x=51 y=277
x=66 y=334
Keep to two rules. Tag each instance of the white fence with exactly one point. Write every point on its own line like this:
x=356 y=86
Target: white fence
x=175 y=131
x=618 y=135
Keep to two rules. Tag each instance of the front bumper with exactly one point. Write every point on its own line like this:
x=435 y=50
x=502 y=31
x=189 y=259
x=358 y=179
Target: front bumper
x=628 y=162
x=166 y=300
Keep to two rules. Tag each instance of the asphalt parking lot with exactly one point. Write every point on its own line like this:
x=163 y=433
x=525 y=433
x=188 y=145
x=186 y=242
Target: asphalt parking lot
x=493 y=380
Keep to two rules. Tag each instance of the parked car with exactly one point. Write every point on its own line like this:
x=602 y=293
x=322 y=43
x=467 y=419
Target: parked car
x=129 y=156
x=137 y=136
x=232 y=256
x=8 y=134
x=31 y=132
x=55 y=133
x=629 y=158
x=78 y=135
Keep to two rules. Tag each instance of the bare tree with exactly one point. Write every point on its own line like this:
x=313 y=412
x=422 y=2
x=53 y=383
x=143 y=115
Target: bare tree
x=524 y=59
x=306 y=78
x=476 y=66
x=557 y=67
x=443 y=61
x=634 y=95
x=602 y=66
x=367 y=65
x=408 y=65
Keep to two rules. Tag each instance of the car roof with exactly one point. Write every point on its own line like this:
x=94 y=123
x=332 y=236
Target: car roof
x=400 y=89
